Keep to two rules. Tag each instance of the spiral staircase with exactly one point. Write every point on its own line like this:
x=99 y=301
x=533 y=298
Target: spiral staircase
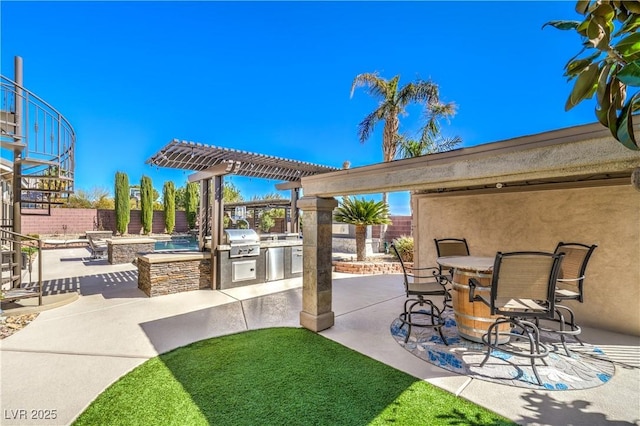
x=37 y=173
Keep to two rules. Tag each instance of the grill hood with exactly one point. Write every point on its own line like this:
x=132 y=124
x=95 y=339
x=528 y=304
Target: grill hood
x=240 y=236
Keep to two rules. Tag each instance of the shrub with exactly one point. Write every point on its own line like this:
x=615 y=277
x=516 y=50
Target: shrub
x=191 y=203
x=266 y=222
x=146 y=204
x=169 y=199
x=122 y=206
x=404 y=245
x=361 y=213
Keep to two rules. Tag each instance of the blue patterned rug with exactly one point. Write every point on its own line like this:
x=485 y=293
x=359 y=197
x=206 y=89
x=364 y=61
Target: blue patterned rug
x=587 y=366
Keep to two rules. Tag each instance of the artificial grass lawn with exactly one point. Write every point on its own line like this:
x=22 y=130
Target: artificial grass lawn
x=278 y=376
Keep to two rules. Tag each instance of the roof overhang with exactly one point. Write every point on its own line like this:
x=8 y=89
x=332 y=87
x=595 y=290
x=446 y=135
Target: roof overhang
x=584 y=153
x=210 y=160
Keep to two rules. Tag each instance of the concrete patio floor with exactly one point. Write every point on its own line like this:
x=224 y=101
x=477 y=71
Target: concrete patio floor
x=66 y=357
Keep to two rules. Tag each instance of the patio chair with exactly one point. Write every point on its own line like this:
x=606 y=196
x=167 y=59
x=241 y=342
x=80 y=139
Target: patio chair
x=522 y=287
x=419 y=285
x=450 y=247
x=98 y=247
x=570 y=286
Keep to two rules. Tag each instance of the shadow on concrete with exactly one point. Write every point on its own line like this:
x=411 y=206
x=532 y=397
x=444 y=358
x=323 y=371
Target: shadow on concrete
x=274 y=310
x=547 y=410
x=169 y=333
x=122 y=284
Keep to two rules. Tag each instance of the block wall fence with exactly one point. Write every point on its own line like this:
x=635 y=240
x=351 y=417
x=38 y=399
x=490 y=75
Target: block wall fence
x=400 y=227
x=78 y=221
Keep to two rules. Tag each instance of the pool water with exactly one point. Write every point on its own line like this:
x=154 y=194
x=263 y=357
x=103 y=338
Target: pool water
x=177 y=244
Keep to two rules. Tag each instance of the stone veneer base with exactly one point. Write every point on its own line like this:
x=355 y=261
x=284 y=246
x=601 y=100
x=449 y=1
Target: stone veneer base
x=176 y=273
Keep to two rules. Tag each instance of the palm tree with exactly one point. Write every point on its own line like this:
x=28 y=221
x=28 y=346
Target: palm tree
x=361 y=213
x=431 y=139
x=393 y=101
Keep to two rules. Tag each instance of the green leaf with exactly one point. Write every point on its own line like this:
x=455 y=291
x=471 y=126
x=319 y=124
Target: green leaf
x=630 y=74
x=604 y=10
x=582 y=6
x=576 y=66
x=604 y=90
x=598 y=33
x=629 y=45
x=630 y=25
x=632 y=6
x=602 y=110
x=625 y=134
x=584 y=87
x=563 y=25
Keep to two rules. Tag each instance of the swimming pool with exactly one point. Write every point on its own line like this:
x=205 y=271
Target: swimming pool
x=178 y=243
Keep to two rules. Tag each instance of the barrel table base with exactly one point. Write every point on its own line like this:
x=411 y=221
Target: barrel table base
x=474 y=318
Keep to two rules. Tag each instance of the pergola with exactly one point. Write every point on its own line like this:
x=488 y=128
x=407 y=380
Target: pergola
x=211 y=163
x=198 y=157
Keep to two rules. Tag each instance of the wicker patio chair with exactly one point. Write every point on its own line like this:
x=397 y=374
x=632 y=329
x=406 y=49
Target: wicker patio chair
x=522 y=288
x=419 y=285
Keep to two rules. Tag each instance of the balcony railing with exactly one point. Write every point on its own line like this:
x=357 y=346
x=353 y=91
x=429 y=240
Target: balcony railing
x=41 y=140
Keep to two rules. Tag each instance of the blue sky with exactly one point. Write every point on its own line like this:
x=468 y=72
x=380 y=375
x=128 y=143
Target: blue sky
x=275 y=77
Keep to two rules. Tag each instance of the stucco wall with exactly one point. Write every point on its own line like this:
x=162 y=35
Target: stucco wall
x=537 y=220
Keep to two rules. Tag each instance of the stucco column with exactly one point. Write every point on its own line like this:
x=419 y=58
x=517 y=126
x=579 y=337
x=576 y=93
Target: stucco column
x=317 y=219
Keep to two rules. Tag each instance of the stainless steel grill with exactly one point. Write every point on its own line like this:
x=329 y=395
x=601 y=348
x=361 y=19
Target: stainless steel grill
x=243 y=242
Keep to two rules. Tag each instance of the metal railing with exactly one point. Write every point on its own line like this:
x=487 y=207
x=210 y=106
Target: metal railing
x=44 y=139
x=18 y=252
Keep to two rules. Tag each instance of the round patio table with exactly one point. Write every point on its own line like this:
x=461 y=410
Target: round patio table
x=472 y=318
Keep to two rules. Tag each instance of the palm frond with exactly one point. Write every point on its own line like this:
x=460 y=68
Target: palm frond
x=377 y=85
x=410 y=148
x=367 y=125
x=359 y=211
x=421 y=92
x=447 y=144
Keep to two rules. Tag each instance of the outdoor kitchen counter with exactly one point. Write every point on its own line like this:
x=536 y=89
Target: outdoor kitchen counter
x=277 y=259
x=178 y=256
x=267 y=244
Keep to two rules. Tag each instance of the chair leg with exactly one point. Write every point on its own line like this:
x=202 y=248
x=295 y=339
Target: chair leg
x=493 y=328
x=566 y=326
x=435 y=315
x=448 y=301
x=536 y=348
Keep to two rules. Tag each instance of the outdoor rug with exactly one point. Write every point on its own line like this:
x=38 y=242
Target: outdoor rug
x=587 y=366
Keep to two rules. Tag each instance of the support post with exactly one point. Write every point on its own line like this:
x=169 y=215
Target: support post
x=216 y=228
x=316 y=314
x=17 y=168
x=294 y=216
x=203 y=213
